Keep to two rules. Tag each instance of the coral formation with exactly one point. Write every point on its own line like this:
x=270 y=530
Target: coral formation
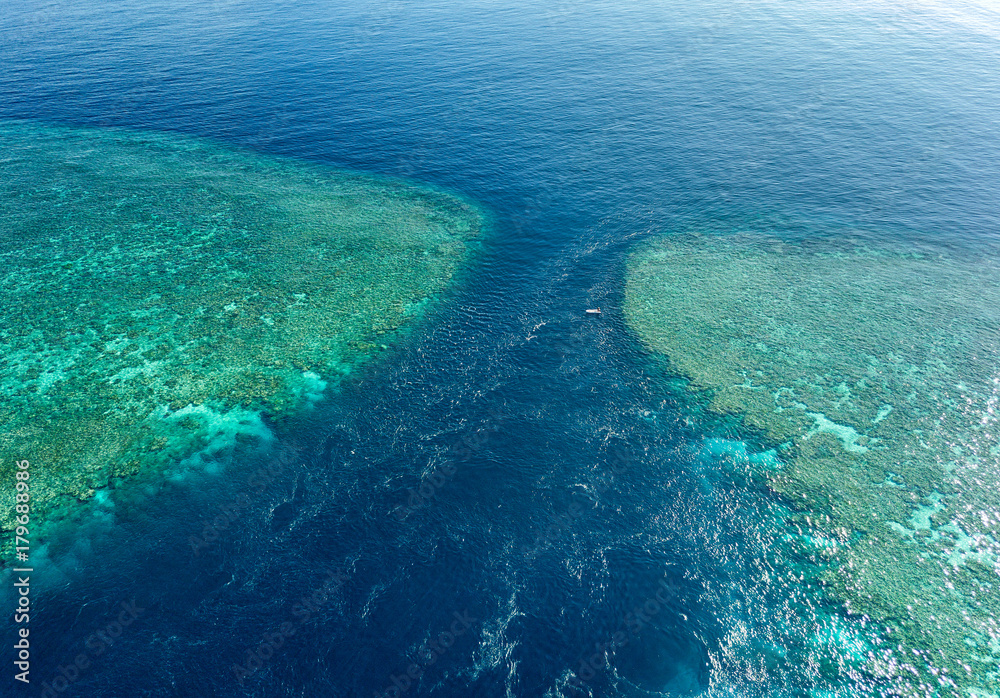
x=875 y=365
x=161 y=293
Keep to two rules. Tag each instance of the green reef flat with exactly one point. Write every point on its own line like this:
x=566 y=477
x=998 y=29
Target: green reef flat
x=873 y=368
x=162 y=294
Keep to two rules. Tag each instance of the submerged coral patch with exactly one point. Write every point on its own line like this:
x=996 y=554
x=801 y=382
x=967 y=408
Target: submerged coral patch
x=878 y=365
x=161 y=293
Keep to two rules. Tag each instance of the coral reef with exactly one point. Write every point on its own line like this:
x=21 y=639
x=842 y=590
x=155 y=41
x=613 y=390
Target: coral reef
x=875 y=365
x=162 y=293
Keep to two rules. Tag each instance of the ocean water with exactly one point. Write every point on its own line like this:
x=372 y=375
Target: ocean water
x=517 y=498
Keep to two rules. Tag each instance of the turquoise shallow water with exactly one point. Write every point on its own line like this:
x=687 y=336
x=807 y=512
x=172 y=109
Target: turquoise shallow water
x=164 y=289
x=533 y=469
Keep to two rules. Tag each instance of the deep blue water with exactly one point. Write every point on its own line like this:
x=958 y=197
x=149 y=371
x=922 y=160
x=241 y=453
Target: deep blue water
x=563 y=486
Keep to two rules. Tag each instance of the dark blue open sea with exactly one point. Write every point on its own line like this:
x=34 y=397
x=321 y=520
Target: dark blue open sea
x=516 y=499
